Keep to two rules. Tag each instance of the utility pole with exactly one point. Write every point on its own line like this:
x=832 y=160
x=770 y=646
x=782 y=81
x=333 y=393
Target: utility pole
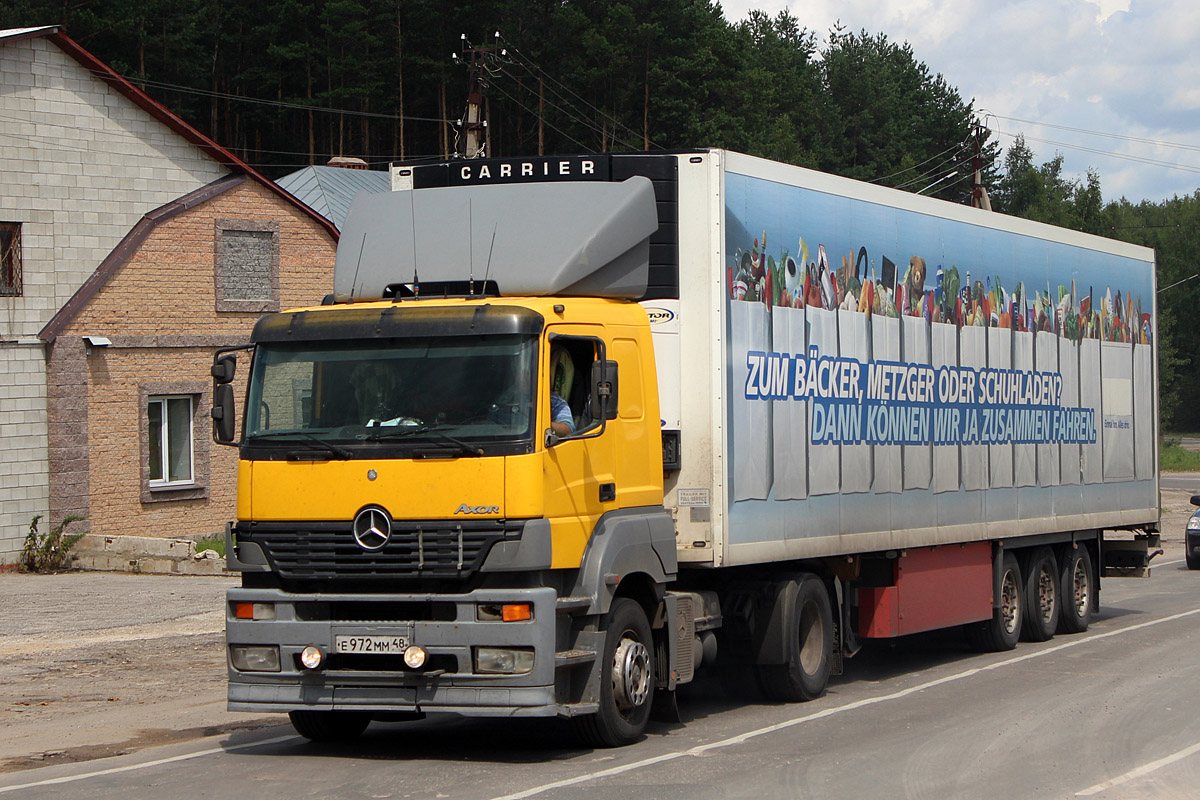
x=472 y=135
x=979 y=196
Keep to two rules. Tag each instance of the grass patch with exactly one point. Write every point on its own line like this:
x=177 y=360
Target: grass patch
x=214 y=542
x=1173 y=458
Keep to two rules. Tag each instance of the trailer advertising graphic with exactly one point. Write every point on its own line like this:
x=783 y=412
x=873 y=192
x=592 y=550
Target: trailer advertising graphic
x=877 y=350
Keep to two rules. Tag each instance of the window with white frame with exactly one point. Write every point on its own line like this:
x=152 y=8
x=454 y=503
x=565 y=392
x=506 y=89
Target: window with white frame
x=169 y=440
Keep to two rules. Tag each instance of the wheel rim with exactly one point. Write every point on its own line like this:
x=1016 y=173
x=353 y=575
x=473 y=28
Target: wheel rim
x=812 y=638
x=630 y=673
x=1046 y=593
x=1010 y=603
x=1080 y=591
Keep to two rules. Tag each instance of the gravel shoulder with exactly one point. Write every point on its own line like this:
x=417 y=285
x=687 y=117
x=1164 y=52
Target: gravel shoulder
x=100 y=664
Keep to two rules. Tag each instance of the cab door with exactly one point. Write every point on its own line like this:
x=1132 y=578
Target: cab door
x=579 y=469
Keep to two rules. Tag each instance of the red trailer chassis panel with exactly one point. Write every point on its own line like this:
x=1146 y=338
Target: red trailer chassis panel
x=934 y=587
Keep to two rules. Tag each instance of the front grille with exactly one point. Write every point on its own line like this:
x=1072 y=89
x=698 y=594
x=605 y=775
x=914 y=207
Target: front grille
x=376 y=611
x=300 y=551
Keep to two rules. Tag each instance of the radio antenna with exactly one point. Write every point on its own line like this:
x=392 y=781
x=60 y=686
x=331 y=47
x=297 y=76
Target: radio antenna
x=412 y=213
x=488 y=270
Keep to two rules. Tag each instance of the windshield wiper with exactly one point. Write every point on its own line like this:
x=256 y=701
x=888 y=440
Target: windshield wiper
x=463 y=447
x=308 y=440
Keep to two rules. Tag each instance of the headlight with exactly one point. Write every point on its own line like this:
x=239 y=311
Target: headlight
x=1194 y=524
x=503 y=660
x=251 y=658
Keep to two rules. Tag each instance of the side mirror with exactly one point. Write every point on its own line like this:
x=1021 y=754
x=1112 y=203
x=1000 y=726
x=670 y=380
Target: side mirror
x=223 y=368
x=1196 y=499
x=604 y=390
x=223 y=414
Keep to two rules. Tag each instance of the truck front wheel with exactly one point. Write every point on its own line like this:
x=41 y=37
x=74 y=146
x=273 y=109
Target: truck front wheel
x=329 y=726
x=626 y=679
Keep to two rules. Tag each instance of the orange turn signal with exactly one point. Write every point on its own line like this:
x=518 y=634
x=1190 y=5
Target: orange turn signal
x=516 y=612
x=243 y=610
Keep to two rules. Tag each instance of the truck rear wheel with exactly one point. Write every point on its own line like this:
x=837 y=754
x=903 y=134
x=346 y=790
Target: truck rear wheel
x=626 y=679
x=1002 y=631
x=1041 y=596
x=329 y=726
x=808 y=647
x=1077 y=583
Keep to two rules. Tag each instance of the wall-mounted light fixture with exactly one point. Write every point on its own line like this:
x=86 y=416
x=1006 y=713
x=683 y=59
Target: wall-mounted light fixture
x=95 y=341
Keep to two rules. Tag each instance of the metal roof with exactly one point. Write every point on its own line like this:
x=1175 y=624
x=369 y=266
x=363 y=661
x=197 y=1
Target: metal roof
x=329 y=190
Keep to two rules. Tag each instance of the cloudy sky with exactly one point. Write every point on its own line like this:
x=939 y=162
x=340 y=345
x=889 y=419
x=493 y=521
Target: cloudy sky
x=1111 y=84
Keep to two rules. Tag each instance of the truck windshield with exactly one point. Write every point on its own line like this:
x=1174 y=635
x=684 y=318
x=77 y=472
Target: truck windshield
x=443 y=391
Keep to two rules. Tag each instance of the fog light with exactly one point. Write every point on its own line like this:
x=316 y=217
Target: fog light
x=503 y=660
x=311 y=657
x=254 y=658
x=414 y=656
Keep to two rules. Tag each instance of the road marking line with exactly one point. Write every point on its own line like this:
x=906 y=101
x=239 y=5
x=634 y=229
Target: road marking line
x=1166 y=563
x=742 y=738
x=1140 y=771
x=132 y=767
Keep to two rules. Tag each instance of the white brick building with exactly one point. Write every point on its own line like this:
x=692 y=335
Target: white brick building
x=83 y=156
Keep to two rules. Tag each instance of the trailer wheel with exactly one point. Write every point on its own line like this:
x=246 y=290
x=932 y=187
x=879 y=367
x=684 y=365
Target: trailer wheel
x=1077 y=585
x=626 y=679
x=1041 y=596
x=329 y=726
x=808 y=647
x=1002 y=631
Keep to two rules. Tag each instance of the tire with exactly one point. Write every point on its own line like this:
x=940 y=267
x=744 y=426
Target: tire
x=808 y=647
x=1041 y=596
x=1077 y=585
x=1193 y=561
x=626 y=679
x=1003 y=630
x=329 y=726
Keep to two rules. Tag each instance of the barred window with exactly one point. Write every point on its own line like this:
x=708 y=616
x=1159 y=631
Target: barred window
x=10 y=259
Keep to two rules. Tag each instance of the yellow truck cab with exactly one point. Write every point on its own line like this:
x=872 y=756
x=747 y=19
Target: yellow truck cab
x=447 y=498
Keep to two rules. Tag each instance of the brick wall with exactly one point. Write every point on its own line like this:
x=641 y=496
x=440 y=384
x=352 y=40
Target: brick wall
x=160 y=312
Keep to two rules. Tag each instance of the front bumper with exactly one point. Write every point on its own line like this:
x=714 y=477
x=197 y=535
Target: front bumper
x=444 y=625
x=1191 y=541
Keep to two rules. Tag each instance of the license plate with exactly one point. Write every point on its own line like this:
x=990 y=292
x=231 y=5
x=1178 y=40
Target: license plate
x=383 y=645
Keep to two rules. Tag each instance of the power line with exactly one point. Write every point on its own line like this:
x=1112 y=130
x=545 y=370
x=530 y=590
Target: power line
x=920 y=164
x=532 y=67
x=1122 y=137
x=262 y=102
x=1138 y=159
x=549 y=125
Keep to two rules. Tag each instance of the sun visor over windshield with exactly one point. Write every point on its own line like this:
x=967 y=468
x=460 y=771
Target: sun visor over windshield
x=571 y=238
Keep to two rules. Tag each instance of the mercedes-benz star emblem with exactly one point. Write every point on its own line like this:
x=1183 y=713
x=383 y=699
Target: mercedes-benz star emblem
x=372 y=528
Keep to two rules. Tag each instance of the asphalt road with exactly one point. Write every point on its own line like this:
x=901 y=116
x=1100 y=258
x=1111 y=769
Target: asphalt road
x=1185 y=481
x=1112 y=713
